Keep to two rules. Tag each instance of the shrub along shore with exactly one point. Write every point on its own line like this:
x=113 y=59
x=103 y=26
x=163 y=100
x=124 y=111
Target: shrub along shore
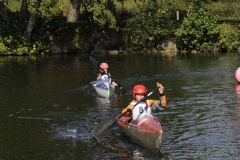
x=115 y=27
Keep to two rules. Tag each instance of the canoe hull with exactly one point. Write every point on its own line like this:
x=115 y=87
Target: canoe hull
x=103 y=88
x=145 y=131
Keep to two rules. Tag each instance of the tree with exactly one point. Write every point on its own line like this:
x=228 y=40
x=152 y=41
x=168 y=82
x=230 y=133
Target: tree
x=33 y=5
x=148 y=26
x=198 y=31
x=4 y=10
x=101 y=13
x=73 y=11
x=24 y=8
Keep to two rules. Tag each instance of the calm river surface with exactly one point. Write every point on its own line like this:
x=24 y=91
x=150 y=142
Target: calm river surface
x=48 y=107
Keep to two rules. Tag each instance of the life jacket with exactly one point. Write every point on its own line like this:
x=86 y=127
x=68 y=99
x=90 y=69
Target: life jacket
x=141 y=109
x=105 y=77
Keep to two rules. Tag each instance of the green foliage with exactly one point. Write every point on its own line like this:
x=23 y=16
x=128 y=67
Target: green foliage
x=12 y=33
x=3 y=48
x=147 y=27
x=198 y=31
x=45 y=8
x=102 y=15
x=13 y=30
x=22 y=50
x=141 y=23
x=229 y=37
x=14 y=5
x=50 y=8
x=79 y=43
x=224 y=9
x=61 y=7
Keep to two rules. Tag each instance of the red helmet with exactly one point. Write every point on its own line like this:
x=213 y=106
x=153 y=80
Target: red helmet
x=139 y=89
x=104 y=65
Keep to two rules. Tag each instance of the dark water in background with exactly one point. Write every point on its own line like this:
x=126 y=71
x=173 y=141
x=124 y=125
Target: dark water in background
x=48 y=107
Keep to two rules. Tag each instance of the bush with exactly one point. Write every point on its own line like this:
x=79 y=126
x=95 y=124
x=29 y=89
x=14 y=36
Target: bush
x=148 y=27
x=229 y=38
x=198 y=31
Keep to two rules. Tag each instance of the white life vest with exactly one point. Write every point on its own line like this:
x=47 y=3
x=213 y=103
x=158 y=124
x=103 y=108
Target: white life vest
x=105 y=77
x=143 y=108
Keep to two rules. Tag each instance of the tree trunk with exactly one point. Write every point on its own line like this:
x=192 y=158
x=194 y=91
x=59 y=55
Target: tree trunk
x=23 y=9
x=73 y=11
x=4 y=10
x=30 y=25
x=31 y=21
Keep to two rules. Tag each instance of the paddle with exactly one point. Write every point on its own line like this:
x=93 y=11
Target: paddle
x=101 y=131
x=96 y=64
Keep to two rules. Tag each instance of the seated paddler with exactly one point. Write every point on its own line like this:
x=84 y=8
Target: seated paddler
x=145 y=107
x=105 y=75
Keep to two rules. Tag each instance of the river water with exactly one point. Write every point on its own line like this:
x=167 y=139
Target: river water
x=48 y=107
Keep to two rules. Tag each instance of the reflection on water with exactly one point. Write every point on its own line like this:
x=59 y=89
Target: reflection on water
x=238 y=89
x=130 y=150
x=238 y=105
x=104 y=104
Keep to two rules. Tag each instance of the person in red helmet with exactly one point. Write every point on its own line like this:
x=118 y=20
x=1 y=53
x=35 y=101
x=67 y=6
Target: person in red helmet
x=144 y=108
x=105 y=75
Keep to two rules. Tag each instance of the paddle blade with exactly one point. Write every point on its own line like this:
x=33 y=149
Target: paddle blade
x=101 y=131
x=94 y=61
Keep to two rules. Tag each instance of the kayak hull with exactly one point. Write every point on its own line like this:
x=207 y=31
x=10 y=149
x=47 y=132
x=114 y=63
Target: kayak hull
x=145 y=131
x=103 y=88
